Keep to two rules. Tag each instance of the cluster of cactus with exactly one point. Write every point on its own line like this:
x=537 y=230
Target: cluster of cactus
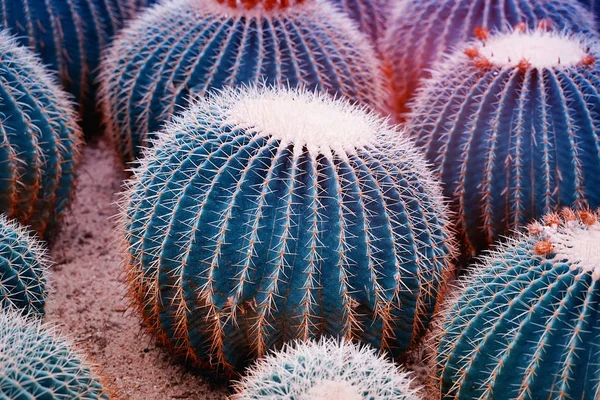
x=327 y=369
x=422 y=32
x=527 y=322
x=36 y=364
x=267 y=215
x=39 y=141
x=512 y=130
x=184 y=48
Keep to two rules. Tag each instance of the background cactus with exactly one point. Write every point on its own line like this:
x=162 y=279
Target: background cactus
x=413 y=48
x=23 y=266
x=187 y=47
x=36 y=364
x=512 y=127
x=327 y=369
x=39 y=141
x=265 y=216
x=527 y=322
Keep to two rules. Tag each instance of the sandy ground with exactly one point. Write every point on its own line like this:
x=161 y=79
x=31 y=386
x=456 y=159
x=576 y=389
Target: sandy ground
x=87 y=297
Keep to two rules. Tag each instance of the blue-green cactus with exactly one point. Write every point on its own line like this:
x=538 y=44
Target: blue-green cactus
x=39 y=141
x=526 y=324
x=264 y=216
x=422 y=32
x=23 y=267
x=188 y=47
x=327 y=369
x=513 y=130
x=36 y=364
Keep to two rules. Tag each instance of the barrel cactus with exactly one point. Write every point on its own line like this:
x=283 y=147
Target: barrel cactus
x=327 y=369
x=511 y=126
x=39 y=141
x=36 y=364
x=527 y=322
x=267 y=215
x=23 y=266
x=413 y=48
x=185 y=48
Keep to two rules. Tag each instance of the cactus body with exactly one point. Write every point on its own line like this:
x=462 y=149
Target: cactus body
x=512 y=130
x=23 y=265
x=187 y=47
x=370 y=15
x=268 y=216
x=39 y=141
x=325 y=370
x=527 y=322
x=35 y=364
x=413 y=48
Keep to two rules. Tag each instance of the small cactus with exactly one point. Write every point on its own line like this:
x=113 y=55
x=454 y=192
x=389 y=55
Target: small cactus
x=188 y=47
x=422 y=32
x=511 y=126
x=39 y=141
x=526 y=324
x=327 y=369
x=266 y=215
x=36 y=364
x=23 y=267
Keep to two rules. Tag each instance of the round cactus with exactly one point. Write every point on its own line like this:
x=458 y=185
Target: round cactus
x=36 y=364
x=39 y=141
x=511 y=126
x=325 y=370
x=23 y=266
x=187 y=47
x=265 y=216
x=527 y=322
x=422 y=32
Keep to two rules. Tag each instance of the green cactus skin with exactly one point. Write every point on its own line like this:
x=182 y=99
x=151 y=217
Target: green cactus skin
x=526 y=324
x=37 y=364
x=23 y=269
x=327 y=369
x=512 y=131
x=264 y=216
x=39 y=141
x=185 y=48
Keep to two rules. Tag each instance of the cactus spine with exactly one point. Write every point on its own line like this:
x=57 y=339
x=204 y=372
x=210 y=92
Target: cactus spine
x=39 y=141
x=265 y=216
x=327 y=369
x=413 y=48
x=527 y=322
x=185 y=48
x=512 y=130
x=36 y=364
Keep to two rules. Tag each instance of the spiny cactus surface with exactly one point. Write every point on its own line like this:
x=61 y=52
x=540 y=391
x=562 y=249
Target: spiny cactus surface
x=39 y=141
x=265 y=216
x=512 y=127
x=36 y=364
x=185 y=48
x=23 y=268
x=327 y=369
x=527 y=322
x=421 y=32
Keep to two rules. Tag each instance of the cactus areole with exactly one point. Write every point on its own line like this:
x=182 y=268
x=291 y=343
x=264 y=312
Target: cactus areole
x=264 y=216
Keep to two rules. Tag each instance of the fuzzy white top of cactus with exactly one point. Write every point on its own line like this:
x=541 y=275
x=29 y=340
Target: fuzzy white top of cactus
x=541 y=48
x=327 y=369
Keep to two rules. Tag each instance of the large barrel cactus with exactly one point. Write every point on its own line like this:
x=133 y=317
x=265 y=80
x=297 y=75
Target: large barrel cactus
x=327 y=369
x=23 y=266
x=527 y=322
x=39 y=141
x=183 y=48
x=421 y=32
x=36 y=364
x=511 y=126
x=265 y=216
